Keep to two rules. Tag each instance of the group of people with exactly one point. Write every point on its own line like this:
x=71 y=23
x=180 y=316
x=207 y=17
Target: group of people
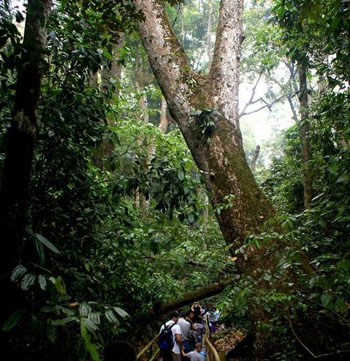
x=181 y=338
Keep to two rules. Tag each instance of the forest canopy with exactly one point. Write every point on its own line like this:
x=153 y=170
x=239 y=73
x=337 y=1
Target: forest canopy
x=156 y=153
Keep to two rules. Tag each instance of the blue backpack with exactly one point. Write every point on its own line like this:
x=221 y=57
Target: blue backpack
x=166 y=339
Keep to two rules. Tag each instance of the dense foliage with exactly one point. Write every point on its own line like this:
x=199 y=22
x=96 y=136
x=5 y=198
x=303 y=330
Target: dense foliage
x=119 y=216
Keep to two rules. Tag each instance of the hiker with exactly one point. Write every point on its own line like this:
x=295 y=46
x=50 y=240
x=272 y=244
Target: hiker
x=120 y=351
x=213 y=319
x=197 y=310
x=192 y=339
x=200 y=329
x=170 y=341
x=185 y=327
x=190 y=318
x=196 y=354
x=217 y=315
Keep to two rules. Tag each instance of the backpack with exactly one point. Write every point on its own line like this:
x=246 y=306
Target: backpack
x=166 y=339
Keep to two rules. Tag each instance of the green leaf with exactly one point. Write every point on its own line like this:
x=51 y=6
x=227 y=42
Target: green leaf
x=13 y=320
x=281 y=10
x=90 y=347
x=68 y=312
x=63 y=321
x=51 y=333
x=325 y=299
x=42 y=282
x=111 y=316
x=91 y=326
x=334 y=24
x=343 y=178
x=108 y=55
x=41 y=251
x=60 y=286
x=121 y=312
x=84 y=309
x=27 y=281
x=322 y=223
x=18 y=271
x=47 y=243
x=94 y=317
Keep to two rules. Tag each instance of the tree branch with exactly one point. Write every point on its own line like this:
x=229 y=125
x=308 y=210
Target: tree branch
x=166 y=55
x=267 y=105
x=293 y=85
x=224 y=70
x=251 y=100
x=182 y=88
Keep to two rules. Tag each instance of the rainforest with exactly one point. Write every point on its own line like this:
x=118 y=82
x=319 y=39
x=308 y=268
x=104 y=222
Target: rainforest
x=157 y=155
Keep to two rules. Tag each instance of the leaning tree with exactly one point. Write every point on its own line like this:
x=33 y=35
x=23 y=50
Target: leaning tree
x=205 y=108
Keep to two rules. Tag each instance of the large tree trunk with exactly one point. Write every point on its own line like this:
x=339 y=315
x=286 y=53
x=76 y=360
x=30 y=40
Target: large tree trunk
x=21 y=135
x=206 y=111
x=304 y=130
x=218 y=152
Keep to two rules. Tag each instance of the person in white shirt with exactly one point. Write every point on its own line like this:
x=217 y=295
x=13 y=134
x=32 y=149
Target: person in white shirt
x=175 y=354
x=213 y=319
x=185 y=327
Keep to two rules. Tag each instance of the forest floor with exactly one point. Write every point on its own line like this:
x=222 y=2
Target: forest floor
x=226 y=340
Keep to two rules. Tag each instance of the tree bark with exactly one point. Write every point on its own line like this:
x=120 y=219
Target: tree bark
x=21 y=136
x=163 y=125
x=304 y=130
x=190 y=297
x=142 y=103
x=255 y=158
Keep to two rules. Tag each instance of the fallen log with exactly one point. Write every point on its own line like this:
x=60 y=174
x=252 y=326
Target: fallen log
x=190 y=297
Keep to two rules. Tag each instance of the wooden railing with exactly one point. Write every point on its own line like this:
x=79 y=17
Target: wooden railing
x=212 y=354
x=149 y=347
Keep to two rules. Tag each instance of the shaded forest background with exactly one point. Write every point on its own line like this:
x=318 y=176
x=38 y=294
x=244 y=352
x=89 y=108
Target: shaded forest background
x=118 y=218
